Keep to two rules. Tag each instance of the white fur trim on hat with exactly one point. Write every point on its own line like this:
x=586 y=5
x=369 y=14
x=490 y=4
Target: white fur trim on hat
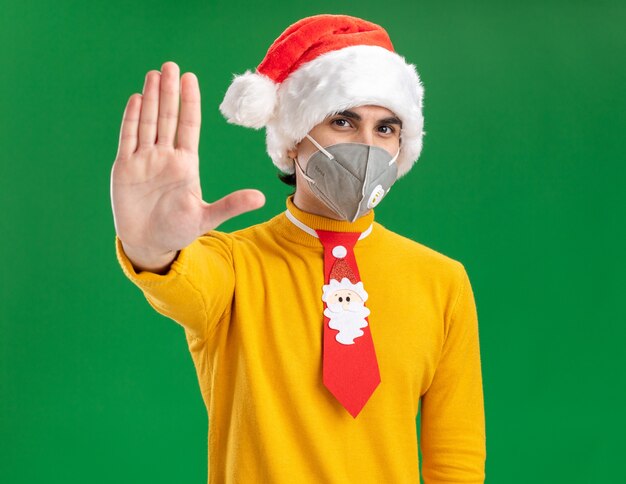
x=342 y=79
x=250 y=100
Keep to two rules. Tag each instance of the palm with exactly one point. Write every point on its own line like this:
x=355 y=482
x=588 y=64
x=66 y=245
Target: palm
x=155 y=181
x=160 y=191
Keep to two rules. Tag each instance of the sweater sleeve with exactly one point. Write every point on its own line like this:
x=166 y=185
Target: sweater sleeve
x=453 y=440
x=198 y=289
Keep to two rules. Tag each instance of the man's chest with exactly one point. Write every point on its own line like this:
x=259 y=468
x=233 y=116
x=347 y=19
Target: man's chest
x=278 y=316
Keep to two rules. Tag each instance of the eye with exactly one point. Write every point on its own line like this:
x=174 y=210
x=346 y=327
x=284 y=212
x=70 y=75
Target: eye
x=340 y=299
x=341 y=122
x=348 y=298
x=386 y=129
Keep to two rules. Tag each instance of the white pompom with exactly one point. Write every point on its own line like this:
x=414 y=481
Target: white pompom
x=250 y=100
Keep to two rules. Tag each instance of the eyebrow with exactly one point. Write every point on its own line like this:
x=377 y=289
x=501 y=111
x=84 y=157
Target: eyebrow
x=355 y=116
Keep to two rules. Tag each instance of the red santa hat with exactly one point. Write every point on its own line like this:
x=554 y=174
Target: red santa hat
x=323 y=65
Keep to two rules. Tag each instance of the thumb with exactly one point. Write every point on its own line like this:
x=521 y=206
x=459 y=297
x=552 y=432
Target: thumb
x=236 y=203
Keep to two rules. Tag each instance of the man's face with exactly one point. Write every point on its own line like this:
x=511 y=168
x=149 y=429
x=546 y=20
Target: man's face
x=372 y=125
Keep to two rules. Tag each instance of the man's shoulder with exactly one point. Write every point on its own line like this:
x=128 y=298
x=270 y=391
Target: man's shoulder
x=413 y=251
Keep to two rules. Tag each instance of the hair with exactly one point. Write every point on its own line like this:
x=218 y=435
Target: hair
x=289 y=179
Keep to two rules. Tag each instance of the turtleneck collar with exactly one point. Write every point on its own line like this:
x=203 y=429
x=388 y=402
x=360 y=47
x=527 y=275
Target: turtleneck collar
x=290 y=229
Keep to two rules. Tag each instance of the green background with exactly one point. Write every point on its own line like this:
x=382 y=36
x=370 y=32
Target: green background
x=520 y=179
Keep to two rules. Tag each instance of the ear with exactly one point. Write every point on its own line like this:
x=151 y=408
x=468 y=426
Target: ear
x=292 y=153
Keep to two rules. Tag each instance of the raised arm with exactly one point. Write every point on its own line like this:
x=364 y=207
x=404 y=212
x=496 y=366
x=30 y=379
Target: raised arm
x=159 y=214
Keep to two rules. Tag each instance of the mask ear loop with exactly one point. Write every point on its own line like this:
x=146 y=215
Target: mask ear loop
x=321 y=148
x=393 y=160
x=309 y=179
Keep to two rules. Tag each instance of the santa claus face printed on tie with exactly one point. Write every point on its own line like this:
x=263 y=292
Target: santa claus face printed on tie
x=346 y=309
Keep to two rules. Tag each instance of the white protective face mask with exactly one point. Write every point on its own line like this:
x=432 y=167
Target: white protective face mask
x=350 y=178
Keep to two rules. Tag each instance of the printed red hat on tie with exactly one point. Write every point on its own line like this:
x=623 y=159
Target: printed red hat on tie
x=323 y=65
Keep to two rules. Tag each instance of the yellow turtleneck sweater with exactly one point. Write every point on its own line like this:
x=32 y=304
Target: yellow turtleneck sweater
x=250 y=304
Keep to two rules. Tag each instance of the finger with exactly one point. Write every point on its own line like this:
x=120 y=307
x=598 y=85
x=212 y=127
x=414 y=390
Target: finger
x=190 y=115
x=168 y=104
x=128 y=132
x=149 y=109
x=230 y=206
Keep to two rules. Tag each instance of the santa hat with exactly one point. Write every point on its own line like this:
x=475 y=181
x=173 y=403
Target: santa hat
x=320 y=66
x=341 y=271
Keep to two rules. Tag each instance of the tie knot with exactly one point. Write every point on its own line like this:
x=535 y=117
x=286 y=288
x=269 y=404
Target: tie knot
x=338 y=243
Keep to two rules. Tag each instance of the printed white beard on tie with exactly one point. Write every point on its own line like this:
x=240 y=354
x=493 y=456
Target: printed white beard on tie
x=348 y=321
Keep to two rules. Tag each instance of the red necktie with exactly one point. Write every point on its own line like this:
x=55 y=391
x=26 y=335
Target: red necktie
x=350 y=369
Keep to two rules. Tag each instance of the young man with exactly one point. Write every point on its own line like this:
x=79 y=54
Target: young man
x=316 y=334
